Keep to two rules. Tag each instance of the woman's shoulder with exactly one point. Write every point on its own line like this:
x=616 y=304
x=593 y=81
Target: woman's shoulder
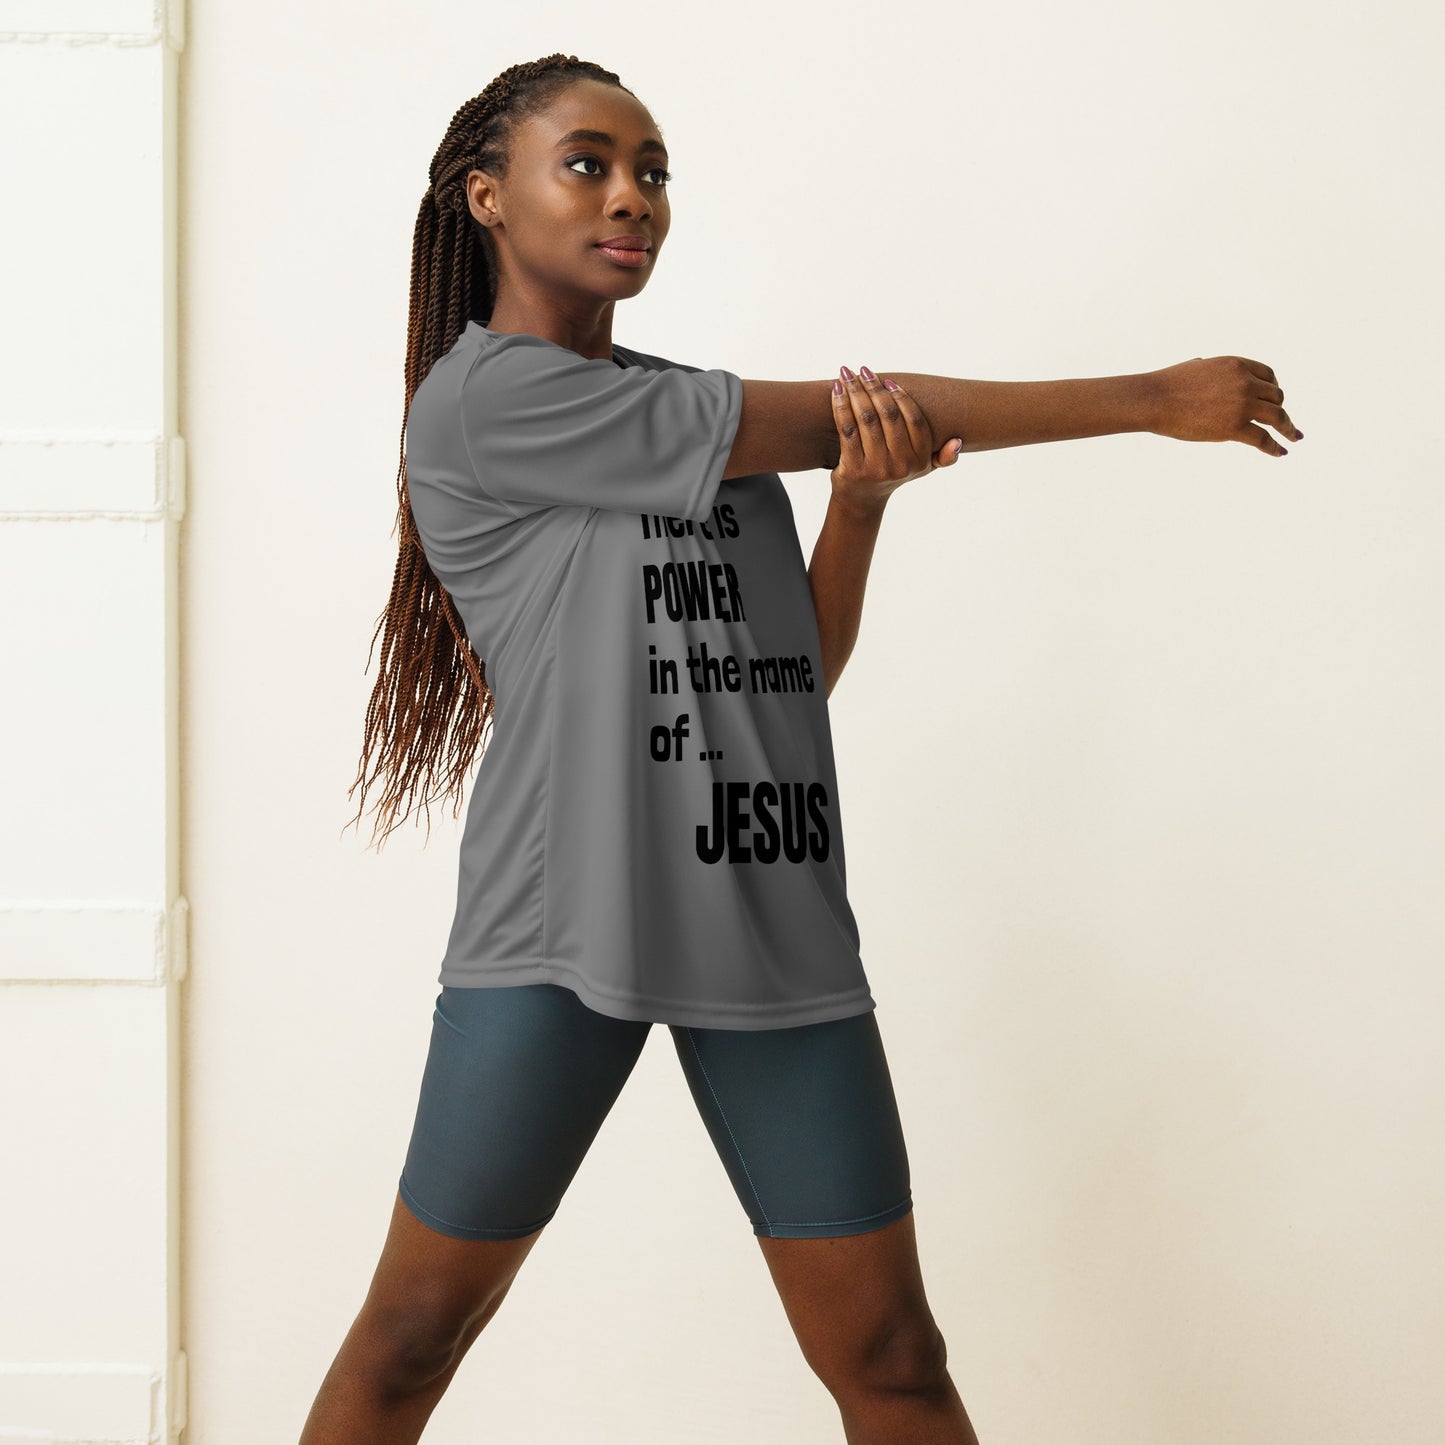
x=479 y=343
x=633 y=357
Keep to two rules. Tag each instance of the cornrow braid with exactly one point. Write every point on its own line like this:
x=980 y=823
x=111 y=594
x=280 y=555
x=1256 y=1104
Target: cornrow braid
x=431 y=707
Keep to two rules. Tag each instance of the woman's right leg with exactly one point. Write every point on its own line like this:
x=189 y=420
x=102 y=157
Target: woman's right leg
x=430 y=1298
x=517 y=1083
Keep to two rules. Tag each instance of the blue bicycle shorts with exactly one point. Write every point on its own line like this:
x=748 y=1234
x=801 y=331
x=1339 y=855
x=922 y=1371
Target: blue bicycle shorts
x=519 y=1078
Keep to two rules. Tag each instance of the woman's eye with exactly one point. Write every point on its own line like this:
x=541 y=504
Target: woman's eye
x=592 y=160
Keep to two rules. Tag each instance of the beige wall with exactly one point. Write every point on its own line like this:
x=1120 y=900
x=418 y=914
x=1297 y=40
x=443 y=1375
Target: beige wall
x=1138 y=750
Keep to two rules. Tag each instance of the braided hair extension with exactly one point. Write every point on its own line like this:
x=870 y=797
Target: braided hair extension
x=431 y=703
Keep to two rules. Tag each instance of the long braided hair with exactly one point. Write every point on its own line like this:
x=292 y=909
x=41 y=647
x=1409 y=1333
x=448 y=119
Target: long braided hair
x=431 y=703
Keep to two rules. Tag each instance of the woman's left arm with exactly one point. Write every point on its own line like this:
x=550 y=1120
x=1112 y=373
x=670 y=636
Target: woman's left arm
x=785 y=426
x=838 y=575
x=883 y=441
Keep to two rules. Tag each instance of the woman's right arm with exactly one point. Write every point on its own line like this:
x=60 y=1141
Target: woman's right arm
x=784 y=426
x=787 y=426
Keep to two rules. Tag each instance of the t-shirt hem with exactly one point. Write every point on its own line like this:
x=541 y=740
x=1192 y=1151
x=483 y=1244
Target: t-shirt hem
x=650 y=1009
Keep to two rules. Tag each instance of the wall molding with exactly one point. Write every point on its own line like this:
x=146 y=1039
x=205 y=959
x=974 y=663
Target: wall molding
x=92 y=475
x=154 y=22
x=93 y=941
x=83 y=1403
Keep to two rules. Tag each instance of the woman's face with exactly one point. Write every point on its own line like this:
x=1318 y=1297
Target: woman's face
x=564 y=194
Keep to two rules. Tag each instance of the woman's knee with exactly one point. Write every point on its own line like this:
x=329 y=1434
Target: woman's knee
x=414 y=1341
x=908 y=1354
x=410 y=1343
x=431 y=1296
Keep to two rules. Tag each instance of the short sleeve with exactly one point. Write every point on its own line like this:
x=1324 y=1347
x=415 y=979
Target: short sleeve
x=546 y=427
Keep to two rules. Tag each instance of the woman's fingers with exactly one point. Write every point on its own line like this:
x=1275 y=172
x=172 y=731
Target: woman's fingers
x=884 y=436
x=867 y=425
x=919 y=429
x=901 y=423
x=906 y=429
x=850 y=440
x=949 y=452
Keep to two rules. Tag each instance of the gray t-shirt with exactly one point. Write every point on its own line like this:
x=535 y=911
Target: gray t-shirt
x=654 y=822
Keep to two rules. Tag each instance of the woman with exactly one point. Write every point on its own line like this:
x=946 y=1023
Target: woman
x=596 y=547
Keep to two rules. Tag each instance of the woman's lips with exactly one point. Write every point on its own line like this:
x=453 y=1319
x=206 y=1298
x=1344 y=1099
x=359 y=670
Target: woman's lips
x=623 y=257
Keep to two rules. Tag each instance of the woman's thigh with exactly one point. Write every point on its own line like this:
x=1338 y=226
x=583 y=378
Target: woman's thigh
x=805 y=1122
x=517 y=1083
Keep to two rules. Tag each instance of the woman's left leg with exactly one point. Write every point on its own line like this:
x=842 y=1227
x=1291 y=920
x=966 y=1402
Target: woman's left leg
x=857 y=1306
x=806 y=1124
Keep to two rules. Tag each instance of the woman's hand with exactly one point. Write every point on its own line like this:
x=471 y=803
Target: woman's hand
x=1218 y=400
x=884 y=440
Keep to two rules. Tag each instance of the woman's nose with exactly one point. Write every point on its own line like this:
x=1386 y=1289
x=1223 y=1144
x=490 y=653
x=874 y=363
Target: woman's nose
x=630 y=202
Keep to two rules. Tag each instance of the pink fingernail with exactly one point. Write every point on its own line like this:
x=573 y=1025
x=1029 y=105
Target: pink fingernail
x=847 y=375
x=837 y=387
x=866 y=374
x=890 y=385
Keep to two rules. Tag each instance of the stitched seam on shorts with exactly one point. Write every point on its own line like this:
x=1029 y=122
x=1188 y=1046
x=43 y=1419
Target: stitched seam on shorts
x=453 y=1224
x=438 y=1011
x=809 y=1223
x=729 y=1128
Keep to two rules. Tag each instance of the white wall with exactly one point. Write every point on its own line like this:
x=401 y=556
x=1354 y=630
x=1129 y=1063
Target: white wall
x=92 y=917
x=1138 y=749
